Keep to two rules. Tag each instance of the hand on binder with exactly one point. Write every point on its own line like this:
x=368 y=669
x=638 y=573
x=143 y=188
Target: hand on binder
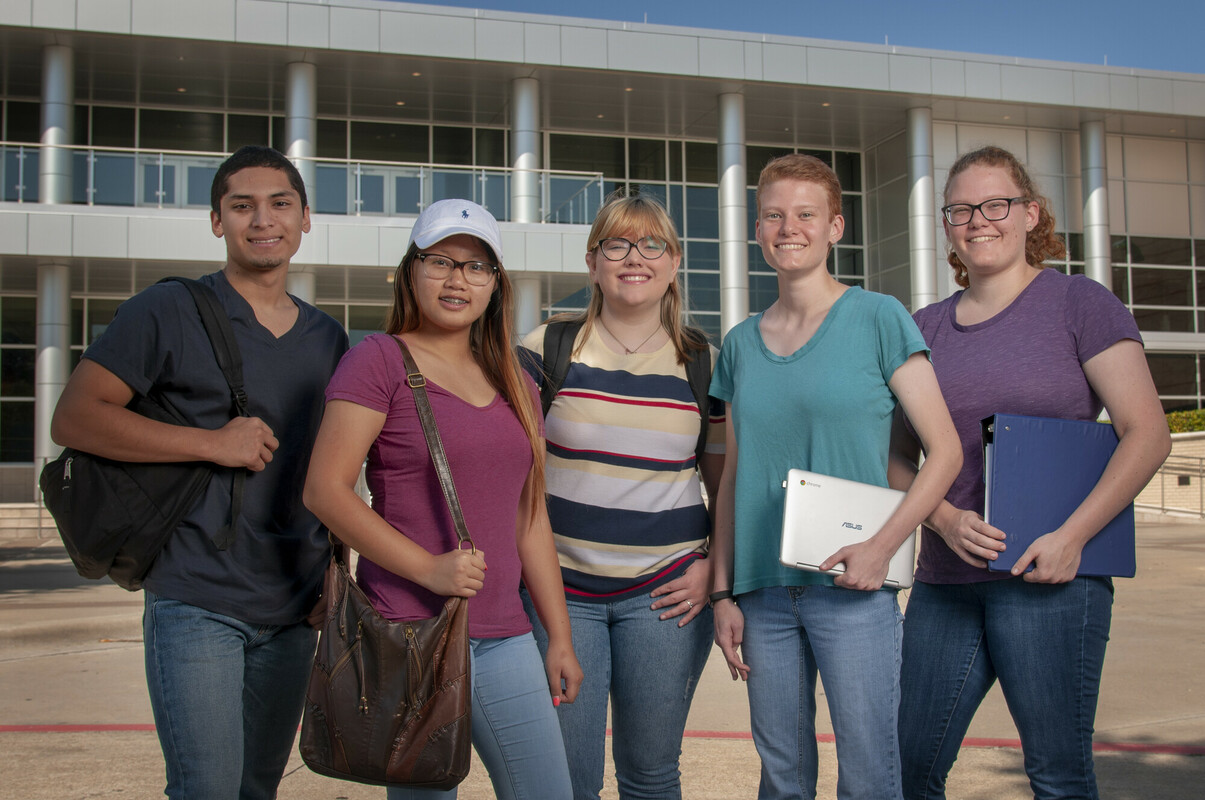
x=973 y=540
x=1055 y=558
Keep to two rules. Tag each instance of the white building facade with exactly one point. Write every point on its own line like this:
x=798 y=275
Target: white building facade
x=114 y=115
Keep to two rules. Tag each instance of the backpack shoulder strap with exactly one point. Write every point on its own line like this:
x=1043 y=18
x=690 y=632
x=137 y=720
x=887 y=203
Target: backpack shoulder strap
x=558 y=346
x=698 y=375
x=230 y=360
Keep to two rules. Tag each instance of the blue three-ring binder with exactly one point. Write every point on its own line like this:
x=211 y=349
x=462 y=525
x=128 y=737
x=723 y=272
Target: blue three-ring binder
x=1037 y=471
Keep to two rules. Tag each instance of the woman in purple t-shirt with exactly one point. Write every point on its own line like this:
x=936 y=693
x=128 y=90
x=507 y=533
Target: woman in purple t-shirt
x=1027 y=340
x=452 y=307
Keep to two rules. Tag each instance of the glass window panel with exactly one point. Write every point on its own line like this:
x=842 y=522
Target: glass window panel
x=372 y=194
x=763 y=291
x=386 y=141
x=79 y=177
x=851 y=209
x=332 y=138
x=330 y=193
x=179 y=130
x=587 y=154
x=494 y=188
x=848 y=167
x=23 y=122
x=702 y=212
x=1121 y=284
x=1152 y=250
x=751 y=212
x=16 y=371
x=21 y=174
x=365 y=320
x=756 y=159
x=113 y=176
x=1118 y=253
x=452 y=145
x=491 y=147
x=18 y=320
x=646 y=160
x=153 y=192
x=573 y=200
x=16 y=431
x=278 y=135
x=709 y=323
x=1171 y=404
x=655 y=190
x=200 y=183
x=1173 y=373
x=1199 y=249
x=1075 y=269
x=77 y=321
x=831 y=262
x=703 y=291
x=701 y=165
x=824 y=155
x=676 y=198
x=112 y=127
x=243 y=129
x=1162 y=319
x=337 y=311
x=451 y=184
x=100 y=314
x=702 y=256
x=572 y=302
x=849 y=261
x=1161 y=287
x=1075 y=246
x=675 y=161
x=757 y=261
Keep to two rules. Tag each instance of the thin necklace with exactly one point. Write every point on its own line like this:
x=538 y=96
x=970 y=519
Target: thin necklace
x=628 y=350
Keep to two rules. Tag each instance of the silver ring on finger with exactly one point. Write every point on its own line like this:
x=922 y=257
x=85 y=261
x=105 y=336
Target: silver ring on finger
x=689 y=605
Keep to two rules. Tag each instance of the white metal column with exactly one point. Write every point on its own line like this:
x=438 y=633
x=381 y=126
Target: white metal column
x=525 y=150
x=733 y=205
x=922 y=222
x=1094 y=177
x=301 y=121
x=58 y=116
x=53 y=364
x=527 y=304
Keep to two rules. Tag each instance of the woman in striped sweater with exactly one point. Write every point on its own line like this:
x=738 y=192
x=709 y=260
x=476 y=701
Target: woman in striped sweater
x=629 y=520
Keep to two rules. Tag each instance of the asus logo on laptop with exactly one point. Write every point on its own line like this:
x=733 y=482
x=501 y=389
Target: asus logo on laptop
x=851 y=526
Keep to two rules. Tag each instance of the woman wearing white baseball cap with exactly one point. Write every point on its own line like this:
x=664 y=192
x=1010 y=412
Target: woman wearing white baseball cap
x=453 y=308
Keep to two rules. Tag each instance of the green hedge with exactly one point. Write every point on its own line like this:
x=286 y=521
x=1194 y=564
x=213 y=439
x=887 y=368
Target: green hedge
x=1186 y=421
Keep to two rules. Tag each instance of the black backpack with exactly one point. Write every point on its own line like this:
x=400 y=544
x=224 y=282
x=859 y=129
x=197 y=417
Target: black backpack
x=558 y=346
x=115 y=516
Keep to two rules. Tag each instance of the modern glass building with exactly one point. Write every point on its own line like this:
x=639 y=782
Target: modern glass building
x=115 y=113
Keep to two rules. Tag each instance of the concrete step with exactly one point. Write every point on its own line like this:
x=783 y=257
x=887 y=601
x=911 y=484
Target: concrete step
x=26 y=521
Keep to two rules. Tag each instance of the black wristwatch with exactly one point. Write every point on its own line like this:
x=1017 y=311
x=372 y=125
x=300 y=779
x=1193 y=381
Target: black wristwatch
x=725 y=594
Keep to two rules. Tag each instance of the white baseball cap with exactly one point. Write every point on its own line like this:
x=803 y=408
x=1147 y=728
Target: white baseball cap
x=445 y=218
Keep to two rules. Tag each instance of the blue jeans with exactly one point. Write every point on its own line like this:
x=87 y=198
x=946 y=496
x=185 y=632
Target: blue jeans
x=227 y=698
x=514 y=725
x=1046 y=644
x=649 y=669
x=853 y=639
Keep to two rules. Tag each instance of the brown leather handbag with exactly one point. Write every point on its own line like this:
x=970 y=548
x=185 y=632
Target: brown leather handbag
x=389 y=702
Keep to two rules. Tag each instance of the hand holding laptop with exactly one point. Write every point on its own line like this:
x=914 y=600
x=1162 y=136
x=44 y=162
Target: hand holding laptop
x=866 y=565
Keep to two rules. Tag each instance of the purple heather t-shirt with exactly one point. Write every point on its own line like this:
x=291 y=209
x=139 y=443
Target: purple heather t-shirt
x=490 y=458
x=1028 y=359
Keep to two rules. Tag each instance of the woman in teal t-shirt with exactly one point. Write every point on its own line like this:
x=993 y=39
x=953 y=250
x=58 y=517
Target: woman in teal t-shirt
x=813 y=383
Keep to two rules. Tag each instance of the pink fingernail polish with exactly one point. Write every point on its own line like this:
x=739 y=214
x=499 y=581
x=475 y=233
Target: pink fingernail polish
x=556 y=701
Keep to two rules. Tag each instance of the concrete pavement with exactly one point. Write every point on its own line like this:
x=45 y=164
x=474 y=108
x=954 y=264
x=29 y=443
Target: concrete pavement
x=75 y=721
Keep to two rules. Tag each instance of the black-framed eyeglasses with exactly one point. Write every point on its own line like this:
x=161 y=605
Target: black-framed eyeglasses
x=992 y=210
x=440 y=267
x=617 y=249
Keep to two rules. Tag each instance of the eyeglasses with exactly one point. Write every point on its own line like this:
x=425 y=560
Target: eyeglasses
x=440 y=267
x=992 y=210
x=618 y=249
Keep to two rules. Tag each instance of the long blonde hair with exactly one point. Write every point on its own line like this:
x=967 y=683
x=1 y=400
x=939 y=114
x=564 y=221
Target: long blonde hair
x=639 y=212
x=491 y=339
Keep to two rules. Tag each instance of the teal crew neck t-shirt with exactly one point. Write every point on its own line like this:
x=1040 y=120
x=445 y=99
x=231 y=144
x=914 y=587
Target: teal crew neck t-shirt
x=826 y=408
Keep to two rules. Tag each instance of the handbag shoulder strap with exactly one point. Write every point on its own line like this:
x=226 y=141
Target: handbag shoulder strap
x=418 y=387
x=558 y=346
x=230 y=361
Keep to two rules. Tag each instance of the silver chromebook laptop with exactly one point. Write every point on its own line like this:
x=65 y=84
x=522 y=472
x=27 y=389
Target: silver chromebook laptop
x=823 y=514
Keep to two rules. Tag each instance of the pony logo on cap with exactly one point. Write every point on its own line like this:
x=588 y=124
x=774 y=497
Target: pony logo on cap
x=464 y=214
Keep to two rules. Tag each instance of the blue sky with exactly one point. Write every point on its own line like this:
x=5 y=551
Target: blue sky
x=1147 y=34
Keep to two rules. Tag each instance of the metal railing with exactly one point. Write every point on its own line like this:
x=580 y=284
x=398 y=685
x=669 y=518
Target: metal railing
x=1177 y=488
x=124 y=176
